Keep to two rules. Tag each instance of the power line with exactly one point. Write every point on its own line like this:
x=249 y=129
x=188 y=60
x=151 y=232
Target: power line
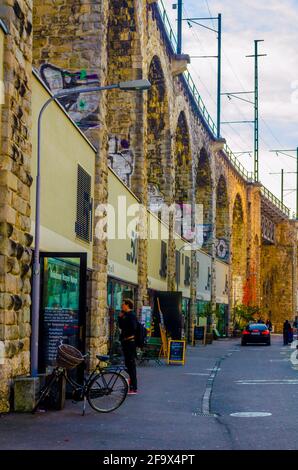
x=241 y=84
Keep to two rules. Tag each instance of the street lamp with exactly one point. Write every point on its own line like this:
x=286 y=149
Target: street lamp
x=134 y=85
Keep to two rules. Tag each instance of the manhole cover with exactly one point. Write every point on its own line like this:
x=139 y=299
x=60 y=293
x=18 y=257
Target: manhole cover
x=251 y=414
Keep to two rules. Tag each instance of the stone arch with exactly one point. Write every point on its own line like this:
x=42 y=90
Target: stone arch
x=238 y=251
x=204 y=196
x=222 y=220
x=159 y=164
x=183 y=175
x=124 y=63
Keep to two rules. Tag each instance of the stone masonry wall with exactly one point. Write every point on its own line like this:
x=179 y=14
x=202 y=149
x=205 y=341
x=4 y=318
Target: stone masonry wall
x=72 y=36
x=278 y=276
x=124 y=40
x=15 y=182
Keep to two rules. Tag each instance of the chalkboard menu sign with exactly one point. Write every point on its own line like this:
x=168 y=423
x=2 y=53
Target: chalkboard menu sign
x=176 y=352
x=198 y=333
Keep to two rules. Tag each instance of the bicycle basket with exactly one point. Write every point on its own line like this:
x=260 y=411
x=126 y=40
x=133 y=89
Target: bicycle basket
x=68 y=357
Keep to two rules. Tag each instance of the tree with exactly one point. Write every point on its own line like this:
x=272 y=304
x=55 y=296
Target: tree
x=243 y=314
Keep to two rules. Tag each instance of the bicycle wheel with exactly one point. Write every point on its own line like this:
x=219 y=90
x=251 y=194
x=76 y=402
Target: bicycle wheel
x=47 y=389
x=107 y=391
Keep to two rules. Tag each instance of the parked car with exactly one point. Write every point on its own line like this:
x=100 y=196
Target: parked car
x=256 y=333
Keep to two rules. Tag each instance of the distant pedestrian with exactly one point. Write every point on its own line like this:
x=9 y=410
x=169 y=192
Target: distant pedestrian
x=269 y=324
x=260 y=320
x=291 y=334
x=128 y=324
x=286 y=332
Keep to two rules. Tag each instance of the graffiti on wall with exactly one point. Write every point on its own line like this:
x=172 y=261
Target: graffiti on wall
x=222 y=249
x=121 y=158
x=82 y=108
x=155 y=197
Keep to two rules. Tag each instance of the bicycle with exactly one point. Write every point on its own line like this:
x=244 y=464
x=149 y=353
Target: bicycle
x=105 y=388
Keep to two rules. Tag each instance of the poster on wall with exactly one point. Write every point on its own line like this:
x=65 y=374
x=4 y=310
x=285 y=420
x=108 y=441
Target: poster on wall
x=60 y=306
x=146 y=317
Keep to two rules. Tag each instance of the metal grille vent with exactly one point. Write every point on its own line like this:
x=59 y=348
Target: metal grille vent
x=83 y=226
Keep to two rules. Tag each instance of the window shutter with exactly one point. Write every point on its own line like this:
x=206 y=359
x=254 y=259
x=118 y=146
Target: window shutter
x=83 y=226
x=163 y=260
x=187 y=272
x=178 y=267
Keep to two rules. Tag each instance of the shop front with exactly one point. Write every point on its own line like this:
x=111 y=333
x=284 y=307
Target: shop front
x=117 y=291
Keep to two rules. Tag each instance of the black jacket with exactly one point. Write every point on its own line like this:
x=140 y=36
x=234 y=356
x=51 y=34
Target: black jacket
x=127 y=325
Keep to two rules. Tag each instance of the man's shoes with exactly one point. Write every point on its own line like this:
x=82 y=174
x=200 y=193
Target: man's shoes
x=132 y=392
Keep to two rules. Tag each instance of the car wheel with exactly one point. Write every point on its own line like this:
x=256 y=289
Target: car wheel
x=269 y=343
x=243 y=343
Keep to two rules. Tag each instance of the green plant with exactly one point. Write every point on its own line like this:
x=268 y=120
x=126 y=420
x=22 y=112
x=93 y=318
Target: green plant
x=242 y=314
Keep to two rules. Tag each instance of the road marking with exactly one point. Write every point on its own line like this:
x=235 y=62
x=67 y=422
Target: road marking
x=195 y=373
x=294 y=358
x=214 y=369
x=268 y=382
x=278 y=360
x=250 y=414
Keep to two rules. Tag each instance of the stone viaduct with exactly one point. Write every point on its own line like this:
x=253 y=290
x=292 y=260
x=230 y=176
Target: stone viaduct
x=162 y=144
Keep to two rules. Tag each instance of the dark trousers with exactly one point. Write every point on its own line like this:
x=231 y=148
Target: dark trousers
x=129 y=352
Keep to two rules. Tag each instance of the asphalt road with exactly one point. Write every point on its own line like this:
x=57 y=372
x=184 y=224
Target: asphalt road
x=182 y=407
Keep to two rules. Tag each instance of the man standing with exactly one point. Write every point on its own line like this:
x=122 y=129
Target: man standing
x=286 y=331
x=128 y=325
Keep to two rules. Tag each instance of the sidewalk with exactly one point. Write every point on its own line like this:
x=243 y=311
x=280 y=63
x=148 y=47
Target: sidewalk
x=164 y=415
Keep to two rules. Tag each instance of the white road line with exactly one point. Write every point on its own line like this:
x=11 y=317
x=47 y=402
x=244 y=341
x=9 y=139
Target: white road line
x=267 y=380
x=251 y=414
x=195 y=373
x=294 y=358
x=279 y=360
x=268 y=383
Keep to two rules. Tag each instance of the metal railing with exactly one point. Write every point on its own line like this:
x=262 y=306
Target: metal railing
x=167 y=25
x=201 y=108
x=274 y=200
x=248 y=176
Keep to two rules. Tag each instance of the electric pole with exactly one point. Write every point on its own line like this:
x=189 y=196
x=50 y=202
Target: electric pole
x=283 y=152
x=256 y=56
x=218 y=31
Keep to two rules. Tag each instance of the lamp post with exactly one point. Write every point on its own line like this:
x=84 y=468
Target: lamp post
x=133 y=85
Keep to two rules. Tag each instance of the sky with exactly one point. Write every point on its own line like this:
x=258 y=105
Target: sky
x=243 y=21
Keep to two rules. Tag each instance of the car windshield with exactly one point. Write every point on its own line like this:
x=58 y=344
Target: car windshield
x=256 y=326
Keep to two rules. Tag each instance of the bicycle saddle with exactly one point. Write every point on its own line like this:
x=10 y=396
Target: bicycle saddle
x=103 y=358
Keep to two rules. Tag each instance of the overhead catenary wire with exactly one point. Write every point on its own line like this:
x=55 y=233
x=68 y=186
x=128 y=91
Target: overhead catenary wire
x=243 y=88
x=196 y=36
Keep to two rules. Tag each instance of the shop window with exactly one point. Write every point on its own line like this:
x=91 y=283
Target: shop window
x=83 y=226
